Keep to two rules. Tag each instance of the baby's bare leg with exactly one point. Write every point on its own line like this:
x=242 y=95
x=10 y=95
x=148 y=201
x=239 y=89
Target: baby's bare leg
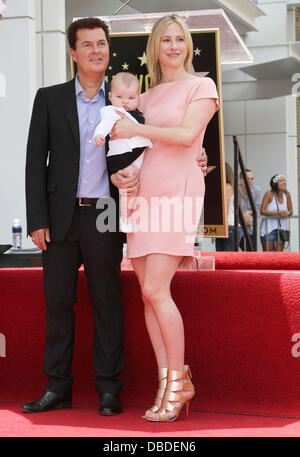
x=131 y=170
x=125 y=203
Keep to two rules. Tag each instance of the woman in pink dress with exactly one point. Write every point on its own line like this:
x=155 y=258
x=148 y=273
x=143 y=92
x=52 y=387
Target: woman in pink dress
x=177 y=109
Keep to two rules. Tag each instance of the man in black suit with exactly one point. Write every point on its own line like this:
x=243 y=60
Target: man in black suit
x=66 y=174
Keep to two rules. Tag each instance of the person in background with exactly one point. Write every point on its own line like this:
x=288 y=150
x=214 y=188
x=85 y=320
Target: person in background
x=227 y=244
x=246 y=207
x=3 y=7
x=276 y=202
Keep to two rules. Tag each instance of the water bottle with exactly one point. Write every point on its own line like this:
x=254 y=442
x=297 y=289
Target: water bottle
x=17 y=234
x=124 y=251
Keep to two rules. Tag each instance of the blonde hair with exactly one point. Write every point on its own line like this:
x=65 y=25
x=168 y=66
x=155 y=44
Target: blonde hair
x=153 y=44
x=127 y=78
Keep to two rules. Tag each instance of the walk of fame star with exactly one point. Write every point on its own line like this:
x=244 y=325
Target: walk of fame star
x=143 y=59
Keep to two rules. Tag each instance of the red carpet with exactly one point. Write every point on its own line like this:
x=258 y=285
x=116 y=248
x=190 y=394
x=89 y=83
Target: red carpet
x=83 y=421
x=239 y=325
x=256 y=260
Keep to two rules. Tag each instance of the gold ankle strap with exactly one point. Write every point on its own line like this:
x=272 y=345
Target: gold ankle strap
x=174 y=375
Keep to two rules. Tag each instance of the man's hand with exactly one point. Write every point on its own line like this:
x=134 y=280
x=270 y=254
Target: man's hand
x=202 y=161
x=248 y=218
x=126 y=181
x=39 y=237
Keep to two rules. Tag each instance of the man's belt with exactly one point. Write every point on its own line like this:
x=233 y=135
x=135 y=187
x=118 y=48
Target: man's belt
x=82 y=201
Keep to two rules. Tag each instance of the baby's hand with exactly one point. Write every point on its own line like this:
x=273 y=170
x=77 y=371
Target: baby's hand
x=99 y=140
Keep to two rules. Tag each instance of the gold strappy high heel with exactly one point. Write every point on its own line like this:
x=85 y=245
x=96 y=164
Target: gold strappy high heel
x=162 y=383
x=178 y=381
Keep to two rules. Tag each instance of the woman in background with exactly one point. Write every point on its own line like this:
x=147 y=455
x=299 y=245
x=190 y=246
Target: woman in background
x=276 y=202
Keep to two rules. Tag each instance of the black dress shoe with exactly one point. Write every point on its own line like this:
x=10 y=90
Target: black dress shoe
x=48 y=402
x=110 y=405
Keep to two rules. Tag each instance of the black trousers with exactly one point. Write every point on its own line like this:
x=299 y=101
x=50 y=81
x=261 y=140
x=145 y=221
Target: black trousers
x=101 y=254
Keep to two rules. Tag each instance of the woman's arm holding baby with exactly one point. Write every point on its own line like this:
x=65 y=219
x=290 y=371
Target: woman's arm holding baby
x=197 y=116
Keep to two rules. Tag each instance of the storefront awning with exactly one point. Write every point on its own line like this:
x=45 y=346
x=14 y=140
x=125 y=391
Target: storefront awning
x=276 y=78
x=242 y=14
x=233 y=49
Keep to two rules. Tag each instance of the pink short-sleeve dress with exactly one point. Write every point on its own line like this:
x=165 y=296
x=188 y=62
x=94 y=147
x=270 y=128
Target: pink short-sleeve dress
x=168 y=206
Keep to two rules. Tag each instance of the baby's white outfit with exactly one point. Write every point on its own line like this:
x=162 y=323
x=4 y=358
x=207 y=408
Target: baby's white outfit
x=109 y=116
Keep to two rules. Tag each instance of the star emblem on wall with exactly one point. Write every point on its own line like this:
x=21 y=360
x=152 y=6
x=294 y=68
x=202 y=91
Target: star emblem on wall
x=125 y=66
x=143 y=59
x=197 y=52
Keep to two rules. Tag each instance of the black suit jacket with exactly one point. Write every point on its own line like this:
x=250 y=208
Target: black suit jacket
x=52 y=163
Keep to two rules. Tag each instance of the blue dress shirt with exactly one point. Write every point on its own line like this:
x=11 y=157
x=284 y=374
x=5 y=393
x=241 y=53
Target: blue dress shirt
x=93 y=177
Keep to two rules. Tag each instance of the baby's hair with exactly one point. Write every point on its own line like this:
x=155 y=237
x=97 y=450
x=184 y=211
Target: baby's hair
x=127 y=78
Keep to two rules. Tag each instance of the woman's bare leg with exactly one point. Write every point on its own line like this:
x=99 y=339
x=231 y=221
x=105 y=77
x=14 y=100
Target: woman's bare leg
x=278 y=246
x=152 y=324
x=158 y=274
x=268 y=246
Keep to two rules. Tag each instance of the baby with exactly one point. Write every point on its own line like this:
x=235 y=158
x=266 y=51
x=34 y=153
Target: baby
x=124 y=153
